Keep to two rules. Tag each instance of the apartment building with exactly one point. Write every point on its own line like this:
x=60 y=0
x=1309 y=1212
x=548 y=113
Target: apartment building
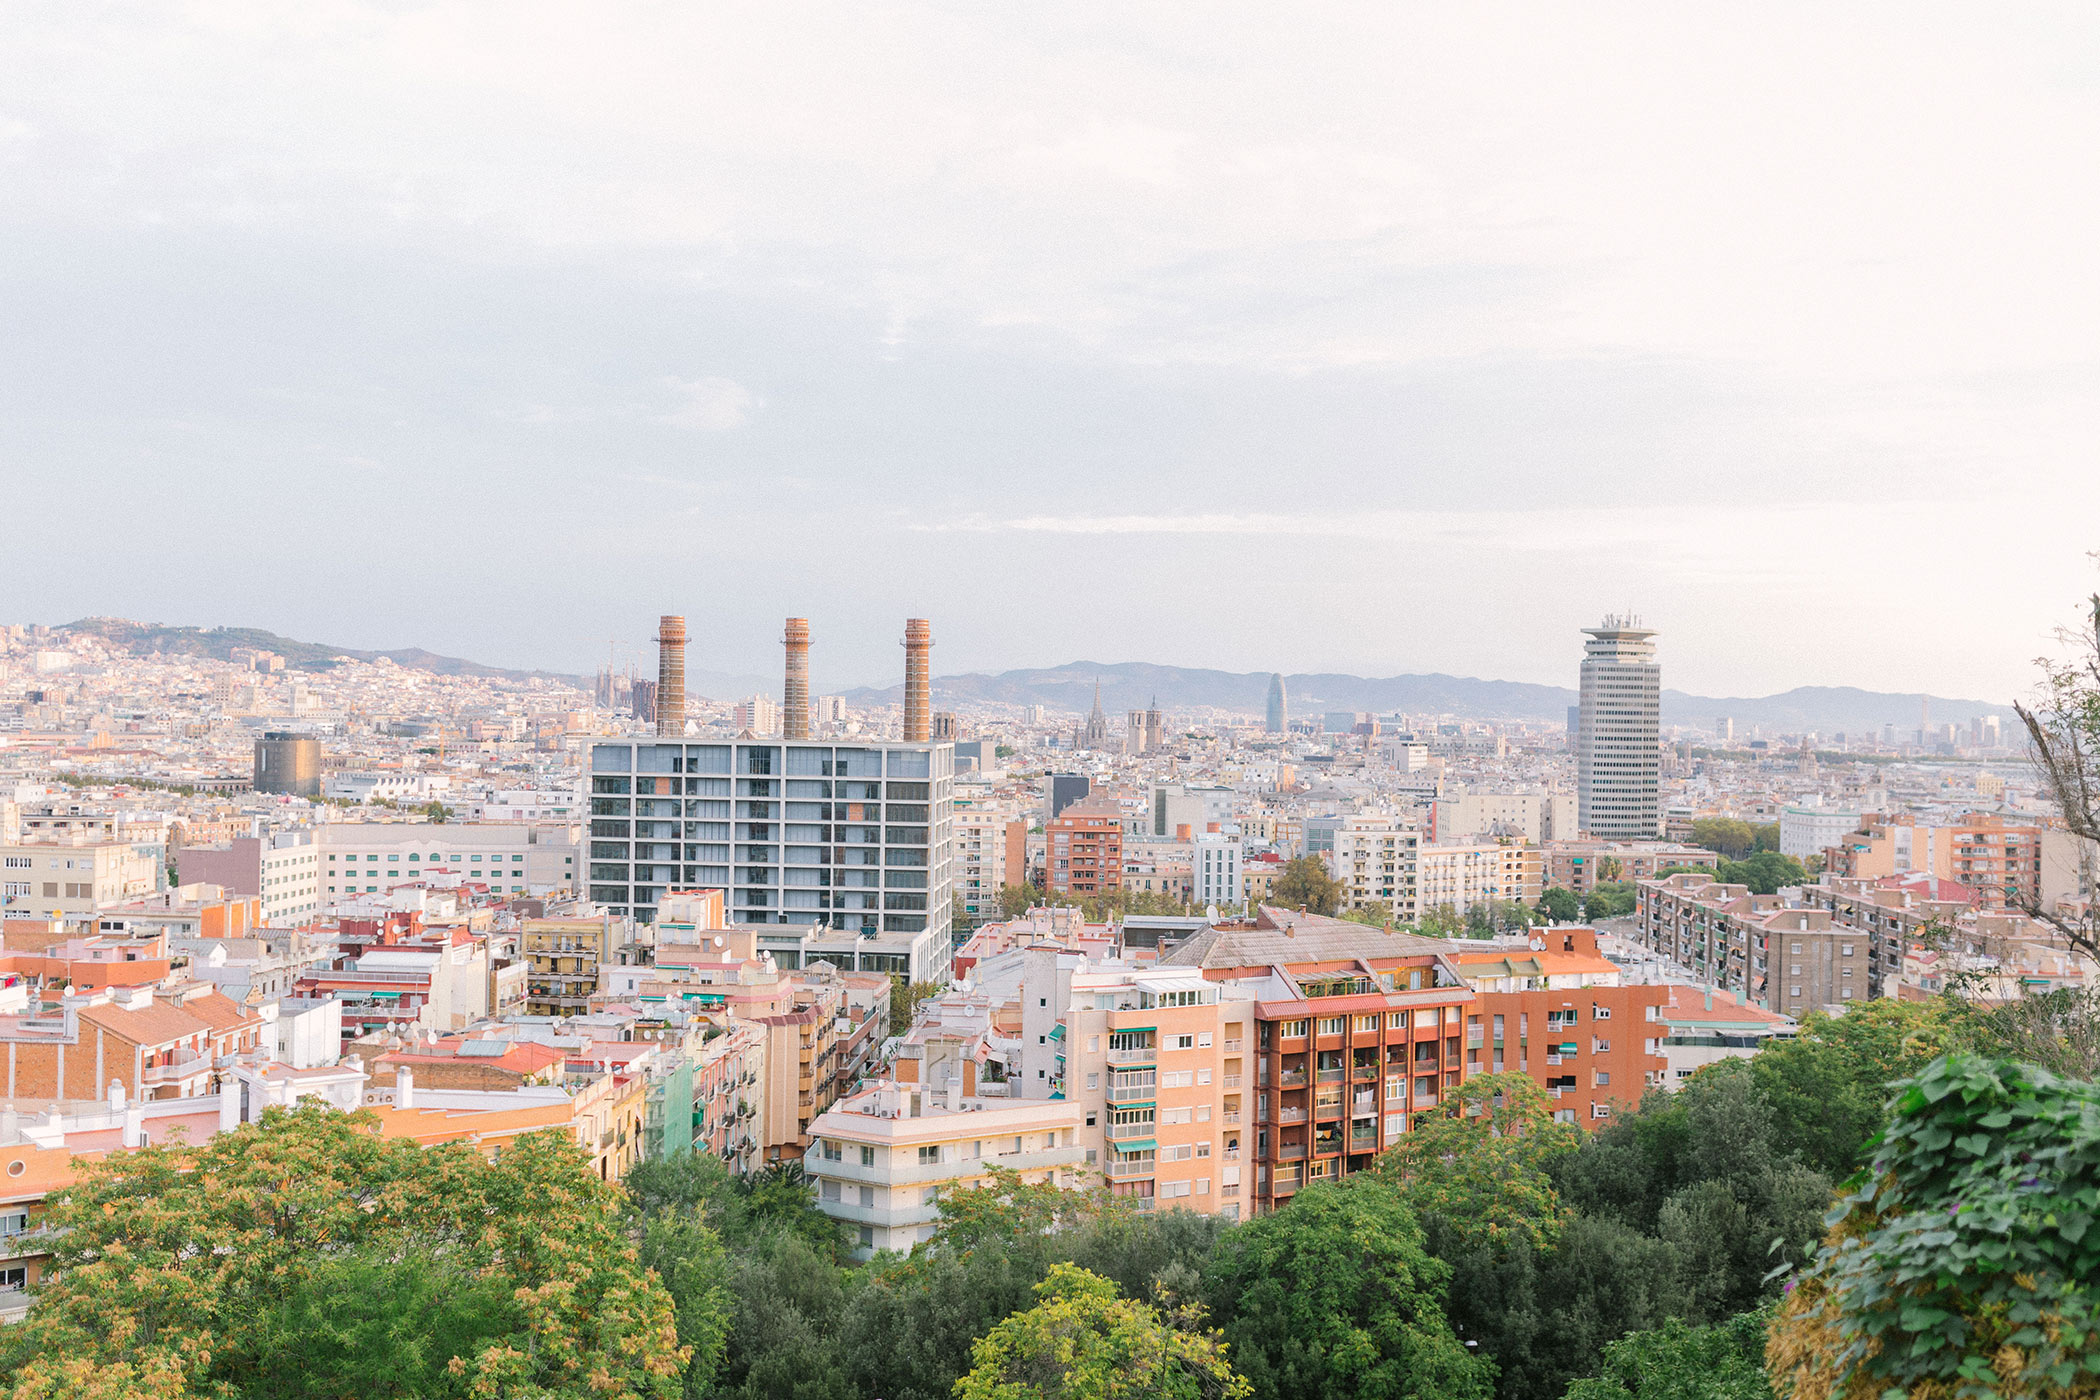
x=562 y=960
x=1214 y=868
x=1582 y=865
x=1156 y=1059
x=859 y=839
x=1084 y=848
x=1999 y=860
x=1560 y=1011
x=1785 y=955
x=59 y=878
x=981 y=857
x=1377 y=861
x=282 y=869
x=155 y=1043
x=359 y=859
x=1894 y=911
x=1703 y=1027
x=1459 y=877
x=881 y=1158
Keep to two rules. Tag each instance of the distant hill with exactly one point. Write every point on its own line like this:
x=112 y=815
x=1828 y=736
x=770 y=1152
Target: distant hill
x=1131 y=685
x=145 y=638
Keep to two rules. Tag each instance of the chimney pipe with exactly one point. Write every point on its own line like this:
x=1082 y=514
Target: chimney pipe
x=670 y=676
x=794 y=697
x=918 y=680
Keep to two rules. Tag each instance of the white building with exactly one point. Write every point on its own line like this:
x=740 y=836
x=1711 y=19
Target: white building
x=1804 y=831
x=1214 y=862
x=980 y=858
x=369 y=858
x=1618 y=761
x=1377 y=859
x=881 y=1158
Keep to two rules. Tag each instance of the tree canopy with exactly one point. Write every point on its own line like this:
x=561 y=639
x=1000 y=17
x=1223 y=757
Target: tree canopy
x=307 y=1256
x=1083 y=1341
x=1306 y=884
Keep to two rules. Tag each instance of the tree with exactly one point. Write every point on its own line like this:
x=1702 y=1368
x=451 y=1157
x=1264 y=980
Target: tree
x=1441 y=921
x=1376 y=914
x=1828 y=1083
x=1963 y=1262
x=1730 y=838
x=1678 y=1362
x=1336 y=1295
x=1609 y=901
x=1016 y=900
x=688 y=1258
x=1480 y=1160
x=1765 y=872
x=1005 y=1206
x=1306 y=884
x=1084 y=1342
x=905 y=996
x=1560 y=905
x=1764 y=837
x=306 y=1256
x=438 y=812
x=2063 y=728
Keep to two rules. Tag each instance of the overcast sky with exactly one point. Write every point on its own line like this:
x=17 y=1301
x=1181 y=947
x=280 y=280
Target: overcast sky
x=1379 y=339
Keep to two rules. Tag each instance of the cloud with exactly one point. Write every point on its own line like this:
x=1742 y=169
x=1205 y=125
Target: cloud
x=710 y=404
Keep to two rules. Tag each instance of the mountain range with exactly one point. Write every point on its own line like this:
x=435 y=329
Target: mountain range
x=1130 y=685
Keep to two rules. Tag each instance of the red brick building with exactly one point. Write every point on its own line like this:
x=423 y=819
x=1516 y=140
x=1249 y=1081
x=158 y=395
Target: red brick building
x=1083 y=848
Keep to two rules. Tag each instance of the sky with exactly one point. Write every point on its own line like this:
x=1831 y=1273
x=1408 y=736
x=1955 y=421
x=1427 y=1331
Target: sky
x=1375 y=338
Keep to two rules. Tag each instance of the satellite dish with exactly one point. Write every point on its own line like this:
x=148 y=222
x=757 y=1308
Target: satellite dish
x=718 y=940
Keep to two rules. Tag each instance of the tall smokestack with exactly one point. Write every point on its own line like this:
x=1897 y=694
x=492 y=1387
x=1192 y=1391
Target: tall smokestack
x=670 y=676
x=918 y=680
x=794 y=697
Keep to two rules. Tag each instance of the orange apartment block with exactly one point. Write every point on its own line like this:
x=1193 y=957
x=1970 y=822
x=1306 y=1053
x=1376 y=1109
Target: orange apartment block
x=1083 y=848
x=2000 y=861
x=1558 y=1013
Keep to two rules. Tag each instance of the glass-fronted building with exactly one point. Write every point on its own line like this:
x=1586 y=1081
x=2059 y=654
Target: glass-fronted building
x=839 y=839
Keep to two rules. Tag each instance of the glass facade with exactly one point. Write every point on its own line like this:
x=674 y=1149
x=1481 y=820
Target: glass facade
x=853 y=837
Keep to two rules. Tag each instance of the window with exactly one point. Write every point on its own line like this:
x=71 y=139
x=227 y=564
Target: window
x=1332 y=1025
x=1367 y=1024
x=832 y=1150
x=1183 y=1042
x=867 y=1156
x=1294 y=1030
x=1396 y=1020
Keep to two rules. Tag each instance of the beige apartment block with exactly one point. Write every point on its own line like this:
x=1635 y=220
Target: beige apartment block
x=881 y=1158
x=1155 y=1058
x=40 y=879
x=1377 y=861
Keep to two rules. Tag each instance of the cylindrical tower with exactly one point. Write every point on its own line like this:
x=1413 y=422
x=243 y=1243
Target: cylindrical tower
x=670 y=676
x=918 y=680
x=794 y=695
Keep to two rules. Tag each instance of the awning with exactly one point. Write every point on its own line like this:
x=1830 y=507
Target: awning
x=1136 y=1144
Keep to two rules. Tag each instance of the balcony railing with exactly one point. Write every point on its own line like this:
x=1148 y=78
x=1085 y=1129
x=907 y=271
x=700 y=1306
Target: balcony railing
x=1141 y=1055
x=1292 y=1079
x=1290 y=1115
x=1231 y=1081
x=1361 y=1073
x=1291 y=1152
x=1121 y=1131
x=1332 y=1076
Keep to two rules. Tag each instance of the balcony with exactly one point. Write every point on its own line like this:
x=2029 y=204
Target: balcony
x=1123 y=1166
x=1233 y=1047
x=1290 y=1115
x=1361 y=1141
x=1364 y=1074
x=1291 y=1152
x=1119 y=1132
x=1231 y=1115
x=1141 y=1055
x=1332 y=1076
x=1231 y=1081
x=1292 y=1079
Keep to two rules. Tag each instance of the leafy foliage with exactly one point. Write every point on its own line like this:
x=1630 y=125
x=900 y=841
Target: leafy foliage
x=308 y=1256
x=1480 y=1160
x=1680 y=1362
x=1610 y=900
x=1963 y=1261
x=1827 y=1085
x=1765 y=872
x=1731 y=838
x=1084 y=1342
x=1306 y=884
x=1336 y=1295
x=1560 y=905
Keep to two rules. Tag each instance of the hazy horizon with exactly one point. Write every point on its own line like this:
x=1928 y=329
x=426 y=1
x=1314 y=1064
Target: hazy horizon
x=1373 y=340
